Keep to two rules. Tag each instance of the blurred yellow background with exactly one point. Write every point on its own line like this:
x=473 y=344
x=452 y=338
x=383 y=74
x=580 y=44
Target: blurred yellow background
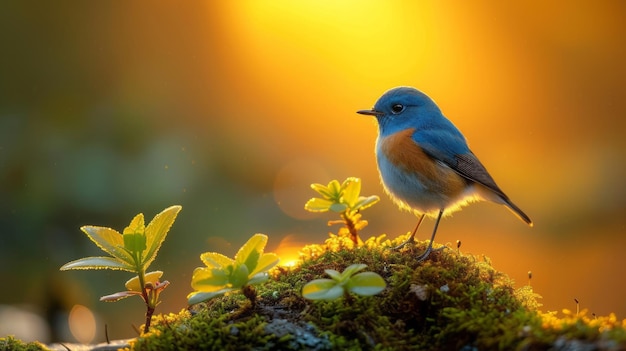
x=231 y=109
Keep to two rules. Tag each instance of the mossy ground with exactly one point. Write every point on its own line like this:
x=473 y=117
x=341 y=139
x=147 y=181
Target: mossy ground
x=11 y=343
x=451 y=301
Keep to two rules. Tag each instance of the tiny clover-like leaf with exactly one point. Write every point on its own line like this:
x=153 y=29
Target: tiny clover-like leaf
x=336 y=276
x=322 y=289
x=351 y=269
x=365 y=284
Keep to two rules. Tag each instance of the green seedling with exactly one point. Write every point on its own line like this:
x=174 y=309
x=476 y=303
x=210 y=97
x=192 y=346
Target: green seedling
x=132 y=251
x=343 y=199
x=341 y=284
x=223 y=274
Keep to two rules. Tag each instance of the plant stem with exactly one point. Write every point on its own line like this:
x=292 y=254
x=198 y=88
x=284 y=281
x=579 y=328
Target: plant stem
x=149 y=313
x=354 y=235
x=250 y=293
x=144 y=292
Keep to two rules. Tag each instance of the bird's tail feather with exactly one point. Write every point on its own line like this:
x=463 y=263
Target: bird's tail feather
x=518 y=212
x=500 y=198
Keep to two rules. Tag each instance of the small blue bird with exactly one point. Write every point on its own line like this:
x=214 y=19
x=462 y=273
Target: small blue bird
x=424 y=162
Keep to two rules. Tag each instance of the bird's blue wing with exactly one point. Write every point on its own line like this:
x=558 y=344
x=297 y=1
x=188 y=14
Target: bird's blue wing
x=451 y=149
x=442 y=143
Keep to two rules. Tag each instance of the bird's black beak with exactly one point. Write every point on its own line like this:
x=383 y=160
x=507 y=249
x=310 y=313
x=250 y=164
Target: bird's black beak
x=371 y=112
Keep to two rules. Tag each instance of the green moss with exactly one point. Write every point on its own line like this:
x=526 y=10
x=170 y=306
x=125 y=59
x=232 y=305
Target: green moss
x=10 y=343
x=450 y=301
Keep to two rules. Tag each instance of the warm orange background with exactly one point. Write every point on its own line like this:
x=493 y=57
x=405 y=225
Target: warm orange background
x=231 y=109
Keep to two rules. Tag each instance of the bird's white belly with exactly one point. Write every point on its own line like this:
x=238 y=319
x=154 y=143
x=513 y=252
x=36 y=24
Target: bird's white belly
x=416 y=193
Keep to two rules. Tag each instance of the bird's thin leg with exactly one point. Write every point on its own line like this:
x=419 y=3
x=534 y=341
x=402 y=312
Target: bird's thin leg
x=411 y=238
x=432 y=238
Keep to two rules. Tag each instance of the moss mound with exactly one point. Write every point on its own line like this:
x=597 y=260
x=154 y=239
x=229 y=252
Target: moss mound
x=11 y=343
x=451 y=301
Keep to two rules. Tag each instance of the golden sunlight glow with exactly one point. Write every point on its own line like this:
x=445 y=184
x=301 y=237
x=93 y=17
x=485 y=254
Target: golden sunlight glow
x=82 y=324
x=340 y=39
x=289 y=250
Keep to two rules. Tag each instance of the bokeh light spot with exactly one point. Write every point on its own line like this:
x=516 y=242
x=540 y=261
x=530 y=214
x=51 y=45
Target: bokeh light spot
x=82 y=324
x=291 y=186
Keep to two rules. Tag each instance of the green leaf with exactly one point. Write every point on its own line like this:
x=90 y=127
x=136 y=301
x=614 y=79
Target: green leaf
x=351 y=190
x=199 y=296
x=156 y=232
x=110 y=241
x=266 y=262
x=239 y=276
x=209 y=279
x=351 y=269
x=322 y=190
x=366 y=284
x=334 y=189
x=133 y=283
x=317 y=204
x=336 y=276
x=134 y=235
x=216 y=260
x=98 y=263
x=322 y=289
x=135 y=242
x=339 y=208
x=258 y=278
x=365 y=202
x=136 y=225
x=251 y=251
x=118 y=296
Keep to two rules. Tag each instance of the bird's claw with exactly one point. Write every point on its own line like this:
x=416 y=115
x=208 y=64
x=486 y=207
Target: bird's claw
x=405 y=243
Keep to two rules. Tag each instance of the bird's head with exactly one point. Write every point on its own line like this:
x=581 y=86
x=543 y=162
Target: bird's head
x=401 y=108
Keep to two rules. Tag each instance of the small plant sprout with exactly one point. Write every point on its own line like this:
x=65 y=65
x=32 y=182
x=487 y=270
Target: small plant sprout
x=223 y=274
x=341 y=284
x=344 y=199
x=132 y=251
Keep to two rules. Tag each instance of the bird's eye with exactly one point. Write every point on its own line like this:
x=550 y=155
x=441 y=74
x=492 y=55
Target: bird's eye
x=397 y=108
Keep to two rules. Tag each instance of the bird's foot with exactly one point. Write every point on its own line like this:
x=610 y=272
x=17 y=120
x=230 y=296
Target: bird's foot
x=409 y=241
x=428 y=251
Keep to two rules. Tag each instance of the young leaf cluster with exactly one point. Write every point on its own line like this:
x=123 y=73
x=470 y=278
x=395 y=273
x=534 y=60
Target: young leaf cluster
x=344 y=199
x=133 y=251
x=223 y=274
